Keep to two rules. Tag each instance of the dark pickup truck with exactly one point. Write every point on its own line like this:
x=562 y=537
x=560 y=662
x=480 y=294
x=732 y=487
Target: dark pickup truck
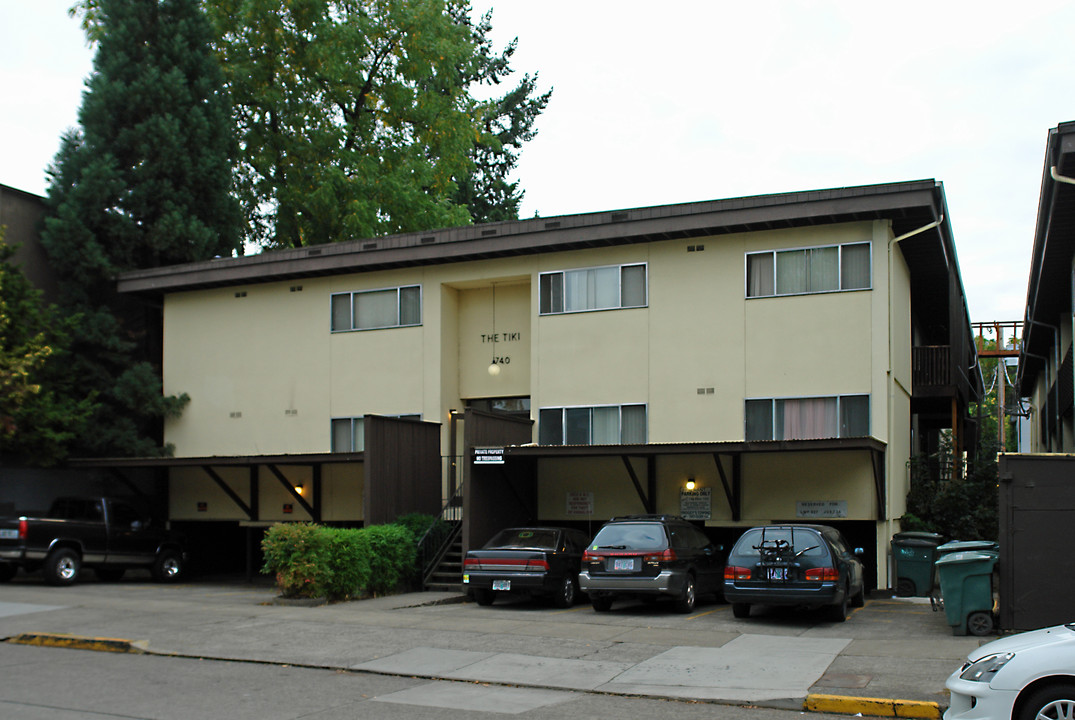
x=106 y=534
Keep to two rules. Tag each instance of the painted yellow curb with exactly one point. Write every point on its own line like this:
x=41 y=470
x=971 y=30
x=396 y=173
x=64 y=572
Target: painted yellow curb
x=880 y=707
x=77 y=642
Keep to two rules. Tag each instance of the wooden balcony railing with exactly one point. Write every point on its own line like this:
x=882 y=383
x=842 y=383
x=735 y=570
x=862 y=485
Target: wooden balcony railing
x=931 y=365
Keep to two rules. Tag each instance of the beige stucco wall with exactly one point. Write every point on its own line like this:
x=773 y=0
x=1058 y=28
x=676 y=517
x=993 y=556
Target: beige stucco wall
x=191 y=488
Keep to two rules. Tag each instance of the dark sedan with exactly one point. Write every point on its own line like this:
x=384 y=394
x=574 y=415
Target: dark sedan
x=539 y=561
x=797 y=565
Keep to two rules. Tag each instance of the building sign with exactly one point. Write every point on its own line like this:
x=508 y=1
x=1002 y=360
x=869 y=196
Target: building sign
x=696 y=504
x=488 y=456
x=821 y=509
x=579 y=503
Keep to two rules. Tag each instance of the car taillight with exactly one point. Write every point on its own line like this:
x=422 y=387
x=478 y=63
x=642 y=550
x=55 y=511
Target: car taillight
x=667 y=555
x=471 y=564
x=537 y=565
x=731 y=572
x=826 y=574
x=23 y=528
x=589 y=557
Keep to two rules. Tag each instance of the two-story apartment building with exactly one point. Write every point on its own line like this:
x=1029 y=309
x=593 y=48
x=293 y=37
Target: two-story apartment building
x=786 y=354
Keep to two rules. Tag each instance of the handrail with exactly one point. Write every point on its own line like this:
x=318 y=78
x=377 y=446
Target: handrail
x=439 y=536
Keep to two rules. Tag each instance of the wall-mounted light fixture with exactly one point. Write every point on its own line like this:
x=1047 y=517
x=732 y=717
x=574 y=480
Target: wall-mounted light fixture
x=300 y=488
x=690 y=483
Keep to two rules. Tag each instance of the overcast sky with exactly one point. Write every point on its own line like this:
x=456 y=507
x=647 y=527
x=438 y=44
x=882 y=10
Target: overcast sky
x=686 y=101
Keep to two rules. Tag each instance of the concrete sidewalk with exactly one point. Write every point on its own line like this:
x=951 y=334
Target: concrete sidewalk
x=890 y=658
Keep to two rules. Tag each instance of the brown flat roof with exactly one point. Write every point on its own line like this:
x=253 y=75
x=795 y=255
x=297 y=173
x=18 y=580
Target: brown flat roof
x=908 y=204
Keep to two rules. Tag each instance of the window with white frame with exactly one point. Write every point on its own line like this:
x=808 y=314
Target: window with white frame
x=808 y=270
x=349 y=434
x=585 y=289
x=374 y=309
x=810 y=418
x=597 y=425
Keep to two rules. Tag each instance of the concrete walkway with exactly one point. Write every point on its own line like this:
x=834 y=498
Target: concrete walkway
x=890 y=658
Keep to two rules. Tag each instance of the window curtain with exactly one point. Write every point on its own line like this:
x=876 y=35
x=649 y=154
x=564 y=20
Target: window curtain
x=591 y=289
x=823 y=269
x=760 y=275
x=806 y=419
x=376 y=309
x=606 y=426
x=855 y=266
x=633 y=286
x=791 y=274
x=410 y=306
x=633 y=431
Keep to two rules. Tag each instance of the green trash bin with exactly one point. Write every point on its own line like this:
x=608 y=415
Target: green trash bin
x=953 y=547
x=913 y=554
x=966 y=580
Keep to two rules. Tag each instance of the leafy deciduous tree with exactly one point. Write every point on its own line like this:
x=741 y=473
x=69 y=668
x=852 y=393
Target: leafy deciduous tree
x=41 y=409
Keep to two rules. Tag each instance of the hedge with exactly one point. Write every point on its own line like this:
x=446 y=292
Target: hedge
x=315 y=561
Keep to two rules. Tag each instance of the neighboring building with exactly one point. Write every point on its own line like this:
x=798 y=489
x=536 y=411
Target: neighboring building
x=787 y=353
x=1045 y=366
x=21 y=217
x=1037 y=495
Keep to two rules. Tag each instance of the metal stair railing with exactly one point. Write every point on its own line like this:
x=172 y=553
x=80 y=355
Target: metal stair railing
x=436 y=541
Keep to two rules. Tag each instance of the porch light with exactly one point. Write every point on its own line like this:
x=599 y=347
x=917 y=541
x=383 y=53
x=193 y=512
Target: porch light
x=690 y=483
x=494 y=370
x=300 y=489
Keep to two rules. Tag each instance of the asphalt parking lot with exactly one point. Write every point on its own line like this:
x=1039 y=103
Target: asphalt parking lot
x=894 y=651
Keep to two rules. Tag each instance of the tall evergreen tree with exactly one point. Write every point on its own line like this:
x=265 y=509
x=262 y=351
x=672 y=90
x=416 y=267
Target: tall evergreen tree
x=507 y=121
x=144 y=182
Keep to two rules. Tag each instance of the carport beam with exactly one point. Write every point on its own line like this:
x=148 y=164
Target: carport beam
x=229 y=492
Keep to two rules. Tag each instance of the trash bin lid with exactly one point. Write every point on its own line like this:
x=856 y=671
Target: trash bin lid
x=968 y=556
x=934 y=538
x=963 y=545
x=913 y=542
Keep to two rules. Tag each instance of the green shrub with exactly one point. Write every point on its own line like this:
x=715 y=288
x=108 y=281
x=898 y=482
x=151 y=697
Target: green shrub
x=297 y=554
x=348 y=563
x=312 y=561
x=419 y=523
x=391 y=557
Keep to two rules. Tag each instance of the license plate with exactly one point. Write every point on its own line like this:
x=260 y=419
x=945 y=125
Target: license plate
x=623 y=564
x=502 y=584
x=9 y=534
x=777 y=573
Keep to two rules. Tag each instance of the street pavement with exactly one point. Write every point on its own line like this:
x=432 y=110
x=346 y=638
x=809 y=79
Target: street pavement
x=890 y=658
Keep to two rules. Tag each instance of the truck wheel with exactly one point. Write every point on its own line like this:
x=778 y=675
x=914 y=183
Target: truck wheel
x=62 y=567
x=168 y=567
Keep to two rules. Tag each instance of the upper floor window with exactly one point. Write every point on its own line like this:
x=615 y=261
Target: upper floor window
x=602 y=288
x=808 y=270
x=372 y=309
x=600 y=425
x=811 y=418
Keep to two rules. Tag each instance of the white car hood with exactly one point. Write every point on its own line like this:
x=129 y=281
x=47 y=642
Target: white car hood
x=1036 y=639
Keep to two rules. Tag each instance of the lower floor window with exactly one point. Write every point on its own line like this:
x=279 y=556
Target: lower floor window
x=598 y=425
x=349 y=434
x=808 y=418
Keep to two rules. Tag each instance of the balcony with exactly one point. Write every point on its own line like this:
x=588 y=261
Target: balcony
x=931 y=368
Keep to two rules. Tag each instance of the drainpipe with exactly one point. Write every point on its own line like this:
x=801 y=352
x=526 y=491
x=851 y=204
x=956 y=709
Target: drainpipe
x=1056 y=379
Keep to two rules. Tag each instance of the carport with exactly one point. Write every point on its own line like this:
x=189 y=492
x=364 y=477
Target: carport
x=503 y=483
x=224 y=503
